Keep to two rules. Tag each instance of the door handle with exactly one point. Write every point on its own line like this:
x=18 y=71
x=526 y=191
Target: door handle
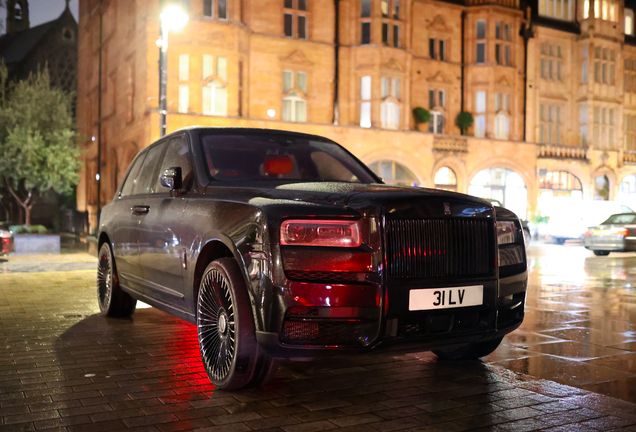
x=139 y=210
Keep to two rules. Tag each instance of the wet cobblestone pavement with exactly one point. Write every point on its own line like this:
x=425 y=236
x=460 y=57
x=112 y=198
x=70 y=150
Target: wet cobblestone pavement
x=63 y=367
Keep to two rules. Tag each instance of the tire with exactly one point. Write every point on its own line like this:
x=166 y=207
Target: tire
x=226 y=332
x=601 y=253
x=471 y=351
x=113 y=301
x=559 y=240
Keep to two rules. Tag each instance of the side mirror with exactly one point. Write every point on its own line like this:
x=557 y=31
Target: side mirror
x=171 y=178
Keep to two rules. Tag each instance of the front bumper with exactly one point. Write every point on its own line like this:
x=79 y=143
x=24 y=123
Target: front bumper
x=337 y=330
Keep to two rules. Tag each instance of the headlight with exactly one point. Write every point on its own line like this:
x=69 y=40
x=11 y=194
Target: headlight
x=507 y=232
x=511 y=247
x=332 y=233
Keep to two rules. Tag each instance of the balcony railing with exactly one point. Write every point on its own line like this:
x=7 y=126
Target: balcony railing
x=629 y=156
x=450 y=143
x=561 y=152
x=508 y=3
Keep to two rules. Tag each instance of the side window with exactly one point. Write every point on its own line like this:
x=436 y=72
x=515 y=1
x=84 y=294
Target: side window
x=133 y=176
x=146 y=182
x=176 y=156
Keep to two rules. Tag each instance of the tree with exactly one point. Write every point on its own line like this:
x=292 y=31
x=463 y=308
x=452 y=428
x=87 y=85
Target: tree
x=38 y=146
x=464 y=121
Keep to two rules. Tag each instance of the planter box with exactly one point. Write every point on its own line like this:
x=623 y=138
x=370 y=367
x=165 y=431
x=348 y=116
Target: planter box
x=34 y=243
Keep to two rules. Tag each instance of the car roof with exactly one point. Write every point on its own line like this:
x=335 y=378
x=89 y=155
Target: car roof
x=243 y=130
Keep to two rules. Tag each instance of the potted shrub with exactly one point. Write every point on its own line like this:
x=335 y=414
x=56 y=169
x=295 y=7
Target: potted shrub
x=422 y=116
x=464 y=121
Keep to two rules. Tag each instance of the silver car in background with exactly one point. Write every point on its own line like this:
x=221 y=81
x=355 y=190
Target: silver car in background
x=616 y=234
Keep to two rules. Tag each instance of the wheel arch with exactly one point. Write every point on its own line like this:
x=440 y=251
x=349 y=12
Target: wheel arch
x=213 y=249
x=103 y=238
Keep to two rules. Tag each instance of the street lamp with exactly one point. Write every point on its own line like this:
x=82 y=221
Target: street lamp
x=172 y=18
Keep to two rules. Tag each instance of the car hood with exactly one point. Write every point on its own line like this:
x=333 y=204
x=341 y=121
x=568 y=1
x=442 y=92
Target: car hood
x=354 y=195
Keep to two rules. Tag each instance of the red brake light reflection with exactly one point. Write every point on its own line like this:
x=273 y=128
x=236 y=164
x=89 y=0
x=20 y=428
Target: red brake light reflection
x=320 y=233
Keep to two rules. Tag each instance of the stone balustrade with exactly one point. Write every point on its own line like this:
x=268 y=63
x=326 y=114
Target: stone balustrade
x=561 y=152
x=450 y=143
x=508 y=3
x=629 y=157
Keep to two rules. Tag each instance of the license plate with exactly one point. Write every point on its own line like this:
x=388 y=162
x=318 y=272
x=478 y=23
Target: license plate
x=602 y=232
x=444 y=298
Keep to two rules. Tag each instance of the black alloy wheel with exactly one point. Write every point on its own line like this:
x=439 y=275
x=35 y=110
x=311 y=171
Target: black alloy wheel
x=225 y=327
x=113 y=301
x=601 y=252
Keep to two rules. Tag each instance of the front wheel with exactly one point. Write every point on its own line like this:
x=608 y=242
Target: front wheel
x=113 y=301
x=601 y=253
x=471 y=351
x=230 y=353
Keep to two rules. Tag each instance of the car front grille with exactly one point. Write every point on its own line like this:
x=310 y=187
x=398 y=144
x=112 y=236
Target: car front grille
x=437 y=248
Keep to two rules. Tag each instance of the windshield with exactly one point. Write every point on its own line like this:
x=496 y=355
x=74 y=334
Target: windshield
x=620 y=219
x=271 y=157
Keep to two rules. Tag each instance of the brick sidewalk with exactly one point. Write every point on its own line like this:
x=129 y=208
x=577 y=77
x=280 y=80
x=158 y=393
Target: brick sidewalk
x=63 y=367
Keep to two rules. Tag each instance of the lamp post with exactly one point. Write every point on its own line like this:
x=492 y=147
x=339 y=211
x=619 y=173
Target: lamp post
x=172 y=18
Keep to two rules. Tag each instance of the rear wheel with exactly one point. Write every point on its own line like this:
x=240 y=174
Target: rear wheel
x=601 y=253
x=471 y=351
x=230 y=353
x=113 y=301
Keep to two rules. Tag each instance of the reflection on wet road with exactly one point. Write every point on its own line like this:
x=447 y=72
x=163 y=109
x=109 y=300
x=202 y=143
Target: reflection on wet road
x=580 y=324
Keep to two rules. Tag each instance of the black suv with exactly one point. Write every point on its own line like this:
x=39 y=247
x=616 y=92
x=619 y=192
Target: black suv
x=284 y=245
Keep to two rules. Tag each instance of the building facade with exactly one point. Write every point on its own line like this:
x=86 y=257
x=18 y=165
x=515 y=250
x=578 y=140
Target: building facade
x=551 y=87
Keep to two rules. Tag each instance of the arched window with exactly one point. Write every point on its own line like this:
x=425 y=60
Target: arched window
x=394 y=173
x=446 y=179
x=503 y=185
x=556 y=189
x=601 y=188
x=561 y=183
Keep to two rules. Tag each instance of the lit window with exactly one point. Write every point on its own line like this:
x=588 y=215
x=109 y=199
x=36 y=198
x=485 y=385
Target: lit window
x=446 y=179
x=184 y=67
x=390 y=107
x=629 y=22
x=184 y=98
x=294 y=94
x=480 y=110
x=365 y=101
x=214 y=98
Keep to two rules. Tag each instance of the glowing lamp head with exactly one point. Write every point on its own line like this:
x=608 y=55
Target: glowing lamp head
x=173 y=18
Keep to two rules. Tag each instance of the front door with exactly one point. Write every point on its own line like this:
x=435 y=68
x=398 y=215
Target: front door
x=125 y=235
x=161 y=252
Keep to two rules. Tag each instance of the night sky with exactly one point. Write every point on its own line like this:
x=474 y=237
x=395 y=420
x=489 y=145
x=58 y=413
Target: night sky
x=41 y=11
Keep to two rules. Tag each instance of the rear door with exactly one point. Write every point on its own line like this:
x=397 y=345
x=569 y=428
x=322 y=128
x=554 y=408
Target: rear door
x=162 y=256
